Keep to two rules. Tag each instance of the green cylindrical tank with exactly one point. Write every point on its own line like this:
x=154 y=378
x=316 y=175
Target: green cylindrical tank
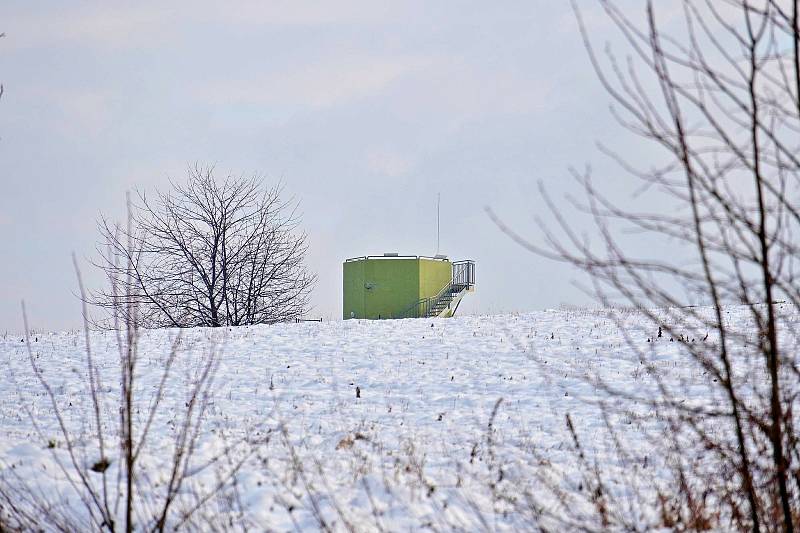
x=389 y=286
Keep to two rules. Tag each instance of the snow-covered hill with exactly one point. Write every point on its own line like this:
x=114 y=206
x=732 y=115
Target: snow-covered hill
x=417 y=445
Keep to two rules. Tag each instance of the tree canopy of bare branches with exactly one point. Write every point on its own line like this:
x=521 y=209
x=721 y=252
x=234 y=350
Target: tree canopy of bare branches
x=715 y=85
x=207 y=253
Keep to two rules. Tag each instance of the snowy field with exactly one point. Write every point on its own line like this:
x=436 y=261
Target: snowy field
x=419 y=448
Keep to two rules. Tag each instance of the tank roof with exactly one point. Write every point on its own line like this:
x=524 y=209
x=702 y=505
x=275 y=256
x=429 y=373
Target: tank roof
x=397 y=256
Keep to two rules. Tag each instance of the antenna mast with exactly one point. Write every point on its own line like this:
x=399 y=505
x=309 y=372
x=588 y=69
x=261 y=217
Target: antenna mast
x=438 y=201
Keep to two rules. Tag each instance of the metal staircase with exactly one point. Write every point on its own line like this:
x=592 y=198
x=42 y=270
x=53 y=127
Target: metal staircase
x=446 y=301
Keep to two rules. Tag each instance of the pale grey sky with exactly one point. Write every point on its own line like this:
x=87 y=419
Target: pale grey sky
x=365 y=110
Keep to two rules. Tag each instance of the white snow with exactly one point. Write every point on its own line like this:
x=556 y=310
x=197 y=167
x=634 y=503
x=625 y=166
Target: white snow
x=415 y=449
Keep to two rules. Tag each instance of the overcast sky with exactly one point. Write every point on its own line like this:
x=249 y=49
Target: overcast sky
x=365 y=111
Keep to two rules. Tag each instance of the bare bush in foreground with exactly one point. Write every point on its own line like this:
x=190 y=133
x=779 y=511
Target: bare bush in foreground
x=112 y=475
x=718 y=92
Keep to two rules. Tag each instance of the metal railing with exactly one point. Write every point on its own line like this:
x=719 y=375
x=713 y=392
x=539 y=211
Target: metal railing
x=463 y=278
x=395 y=256
x=423 y=306
x=464 y=274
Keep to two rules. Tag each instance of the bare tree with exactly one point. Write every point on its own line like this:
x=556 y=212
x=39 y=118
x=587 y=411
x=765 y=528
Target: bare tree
x=719 y=93
x=208 y=253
